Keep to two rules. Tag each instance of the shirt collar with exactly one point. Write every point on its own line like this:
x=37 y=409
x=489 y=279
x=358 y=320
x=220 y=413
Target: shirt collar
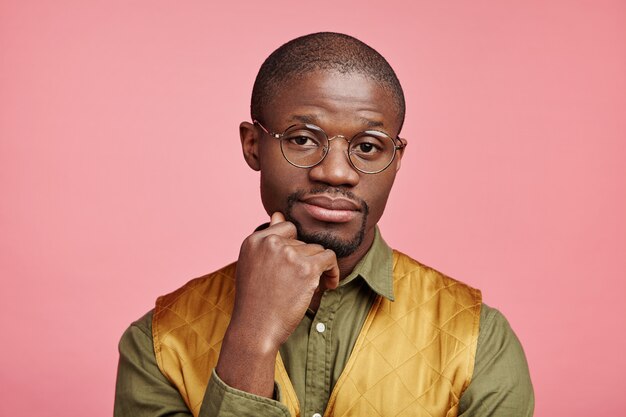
x=375 y=268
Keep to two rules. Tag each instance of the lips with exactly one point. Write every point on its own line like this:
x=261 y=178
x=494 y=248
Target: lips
x=331 y=203
x=330 y=210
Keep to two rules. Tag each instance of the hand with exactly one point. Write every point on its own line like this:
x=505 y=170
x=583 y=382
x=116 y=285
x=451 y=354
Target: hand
x=277 y=276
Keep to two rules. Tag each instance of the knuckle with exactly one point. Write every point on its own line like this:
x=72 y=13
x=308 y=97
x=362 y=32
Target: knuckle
x=291 y=228
x=306 y=269
x=318 y=248
x=247 y=242
x=291 y=254
x=272 y=240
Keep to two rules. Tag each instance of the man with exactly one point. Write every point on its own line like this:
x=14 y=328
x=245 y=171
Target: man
x=319 y=316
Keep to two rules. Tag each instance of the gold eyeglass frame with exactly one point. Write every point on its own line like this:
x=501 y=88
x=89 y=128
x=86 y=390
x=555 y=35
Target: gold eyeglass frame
x=316 y=128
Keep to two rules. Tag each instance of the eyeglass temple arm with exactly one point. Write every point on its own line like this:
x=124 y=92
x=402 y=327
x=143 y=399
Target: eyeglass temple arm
x=276 y=135
x=402 y=143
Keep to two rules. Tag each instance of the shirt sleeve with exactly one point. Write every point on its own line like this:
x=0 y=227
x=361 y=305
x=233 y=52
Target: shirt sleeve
x=143 y=391
x=225 y=401
x=500 y=385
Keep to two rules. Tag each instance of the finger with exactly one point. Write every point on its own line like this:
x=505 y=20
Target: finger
x=307 y=249
x=329 y=278
x=278 y=226
x=277 y=217
x=285 y=229
x=287 y=241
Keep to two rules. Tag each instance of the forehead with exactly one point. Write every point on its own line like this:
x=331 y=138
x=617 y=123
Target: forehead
x=333 y=97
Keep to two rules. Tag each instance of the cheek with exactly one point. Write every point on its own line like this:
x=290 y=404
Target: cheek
x=277 y=184
x=270 y=192
x=270 y=175
x=379 y=194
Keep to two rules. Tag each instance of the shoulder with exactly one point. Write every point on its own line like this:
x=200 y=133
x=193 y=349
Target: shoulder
x=493 y=321
x=144 y=324
x=138 y=335
x=203 y=303
x=420 y=277
x=212 y=287
x=497 y=339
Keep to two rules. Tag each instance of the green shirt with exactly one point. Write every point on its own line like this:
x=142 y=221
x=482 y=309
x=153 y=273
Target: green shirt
x=316 y=353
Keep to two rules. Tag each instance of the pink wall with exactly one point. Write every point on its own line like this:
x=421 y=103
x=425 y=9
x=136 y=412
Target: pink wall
x=121 y=175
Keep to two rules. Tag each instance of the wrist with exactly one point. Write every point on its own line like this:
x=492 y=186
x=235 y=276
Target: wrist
x=256 y=335
x=251 y=341
x=246 y=363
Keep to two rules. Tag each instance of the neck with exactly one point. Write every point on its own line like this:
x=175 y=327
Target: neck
x=347 y=264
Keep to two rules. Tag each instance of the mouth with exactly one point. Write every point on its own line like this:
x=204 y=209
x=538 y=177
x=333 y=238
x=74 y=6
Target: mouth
x=330 y=210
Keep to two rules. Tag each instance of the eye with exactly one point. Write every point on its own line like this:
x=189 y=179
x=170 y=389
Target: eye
x=371 y=146
x=365 y=147
x=302 y=141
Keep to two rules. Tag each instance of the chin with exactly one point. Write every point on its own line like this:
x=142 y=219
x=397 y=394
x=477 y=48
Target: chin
x=329 y=240
x=342 y=238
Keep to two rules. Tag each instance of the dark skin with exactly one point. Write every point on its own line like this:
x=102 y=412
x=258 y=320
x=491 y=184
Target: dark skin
x=279 y=276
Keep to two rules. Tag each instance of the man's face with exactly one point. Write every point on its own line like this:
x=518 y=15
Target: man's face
x=331 y=203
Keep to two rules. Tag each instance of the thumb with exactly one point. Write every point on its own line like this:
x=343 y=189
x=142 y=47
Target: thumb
x=330 y=279
x=331 y=276
x=277 y=217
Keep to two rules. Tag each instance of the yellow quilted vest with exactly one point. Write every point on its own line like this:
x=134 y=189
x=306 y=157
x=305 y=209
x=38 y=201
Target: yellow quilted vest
x=413 y=357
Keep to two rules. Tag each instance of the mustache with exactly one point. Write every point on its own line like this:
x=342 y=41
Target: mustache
x=299 y=194
x=342 y=248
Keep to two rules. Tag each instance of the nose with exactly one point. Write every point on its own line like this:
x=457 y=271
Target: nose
x=336 y=169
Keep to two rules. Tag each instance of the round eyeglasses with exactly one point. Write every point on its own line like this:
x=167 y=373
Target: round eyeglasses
x=306 y=145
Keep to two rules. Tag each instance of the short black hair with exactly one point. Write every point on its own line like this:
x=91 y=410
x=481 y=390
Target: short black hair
x=322 y=51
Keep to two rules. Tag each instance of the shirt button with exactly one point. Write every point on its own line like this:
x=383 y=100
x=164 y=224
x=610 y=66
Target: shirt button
x=320 y=327
x=317 y=414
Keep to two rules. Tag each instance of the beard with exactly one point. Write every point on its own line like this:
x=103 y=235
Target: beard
x=327 y=239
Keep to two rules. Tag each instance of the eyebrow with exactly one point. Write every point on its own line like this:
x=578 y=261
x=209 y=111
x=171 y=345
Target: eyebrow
x=373 y=123
x=303 y=118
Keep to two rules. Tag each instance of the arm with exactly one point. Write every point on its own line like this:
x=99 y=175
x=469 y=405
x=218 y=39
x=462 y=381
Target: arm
x=500 y=385
x=277 y=277
x=143 y=391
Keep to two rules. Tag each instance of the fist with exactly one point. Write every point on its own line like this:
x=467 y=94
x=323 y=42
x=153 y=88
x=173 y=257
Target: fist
x=277 y=276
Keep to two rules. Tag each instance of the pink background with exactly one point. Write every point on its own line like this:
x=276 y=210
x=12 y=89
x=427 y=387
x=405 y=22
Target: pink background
x=121 y=175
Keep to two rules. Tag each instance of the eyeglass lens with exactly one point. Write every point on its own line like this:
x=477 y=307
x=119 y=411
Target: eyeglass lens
x=369 y=151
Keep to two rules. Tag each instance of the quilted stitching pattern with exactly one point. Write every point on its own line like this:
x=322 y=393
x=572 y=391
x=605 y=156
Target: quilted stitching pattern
x=188 y=327
x=415 y=356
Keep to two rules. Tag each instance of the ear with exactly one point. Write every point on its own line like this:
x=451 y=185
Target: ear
x=400 y=154
x=250 y=144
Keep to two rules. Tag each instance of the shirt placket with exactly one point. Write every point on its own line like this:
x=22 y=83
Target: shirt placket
x=319 y=355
